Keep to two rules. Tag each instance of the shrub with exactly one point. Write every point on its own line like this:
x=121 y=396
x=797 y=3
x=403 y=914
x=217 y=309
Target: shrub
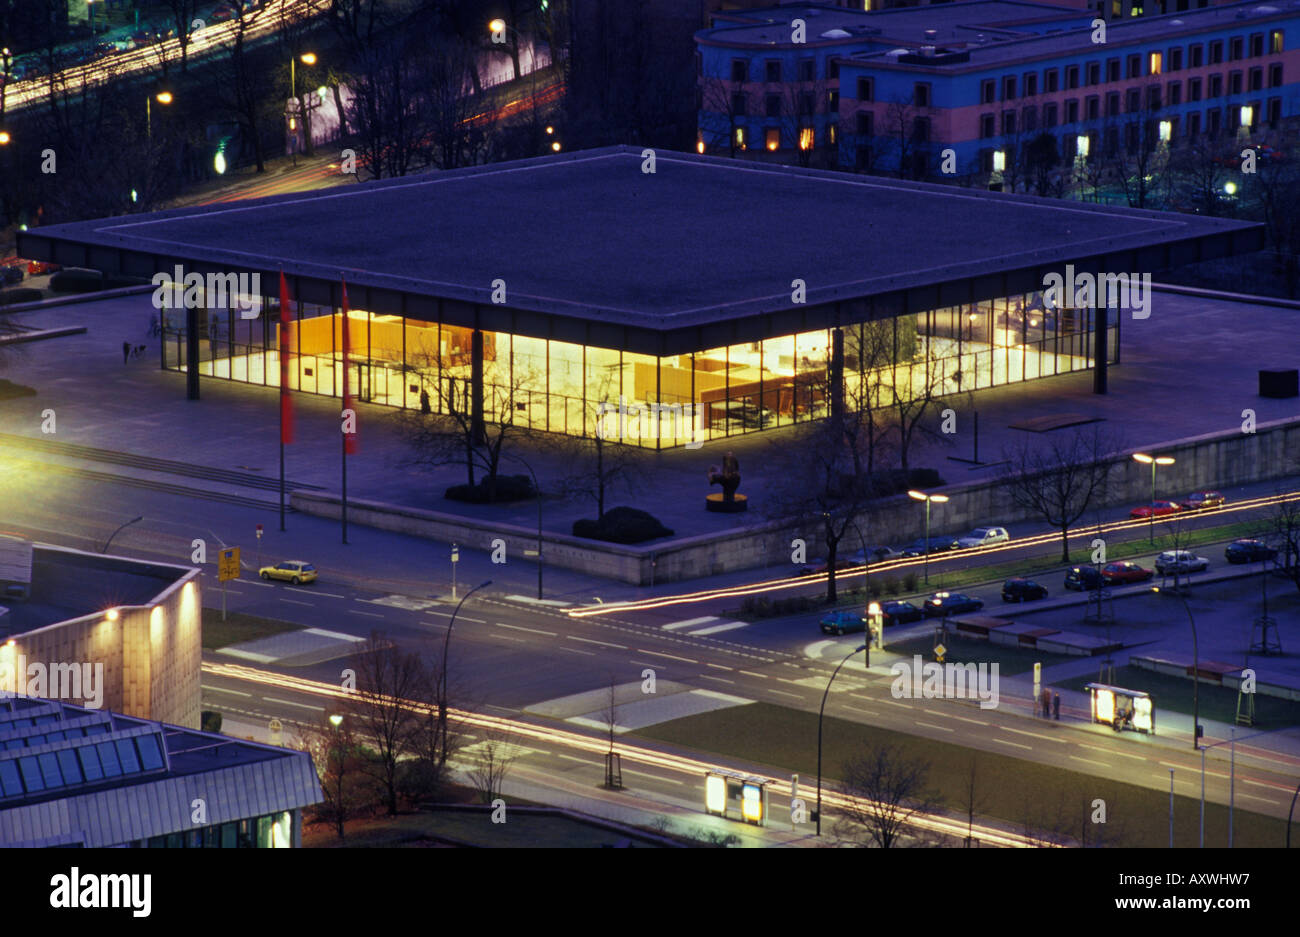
x=621 y=525
x=76 y=280
x=210 y=720
x=504 y=489
x=909 y=582
x=875 y=589
x=892 y=586
x=23 y=294
x=896 y=481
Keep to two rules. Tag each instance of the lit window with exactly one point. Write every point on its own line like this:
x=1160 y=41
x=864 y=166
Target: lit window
x=773 y=138
x=1082 y=145
x=1166 y=130
x=1247 y=116
x=1155 y=63
x=805 y=138
x=999 y=160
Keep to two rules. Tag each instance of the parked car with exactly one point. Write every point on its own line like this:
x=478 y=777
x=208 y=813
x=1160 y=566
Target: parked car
x=819 y=565
x=921 y=546
x=900 y=613
x=1083 y=578
x=37 y=267
x=10 y=274
x=874 y=555
x=843 y=622
x=1203 y=499
x=1022 y=590
x=294 y=571
x=1248 y=550
x=1156 y=509
x=983 y=537
x=1180 y=561
x=1125 y=572
x=943 y=604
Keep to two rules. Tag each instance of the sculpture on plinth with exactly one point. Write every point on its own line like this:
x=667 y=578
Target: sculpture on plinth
x=729 y=478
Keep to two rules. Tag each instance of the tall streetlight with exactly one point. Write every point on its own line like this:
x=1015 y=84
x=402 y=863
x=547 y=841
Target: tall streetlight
x=1153 y=461
x=538 y=489
x=1196 y=668
x=498 y=27
x=307 y=58
x=162 y=97
x=119 y=530
x=442 y=675
x=939 y=499
x=820 y=716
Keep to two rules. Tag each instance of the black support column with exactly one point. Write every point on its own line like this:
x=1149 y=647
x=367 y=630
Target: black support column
x=476 y=387
x=192 y=353
x=1100 y=316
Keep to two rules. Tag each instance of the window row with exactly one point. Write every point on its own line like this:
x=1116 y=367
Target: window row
x=774 y=70
x=1027 y=119
x=48 y=771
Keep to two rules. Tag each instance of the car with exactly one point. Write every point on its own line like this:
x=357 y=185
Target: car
x=294 y=571
x=1248 y=550
x=1180 y=561
x=843 y=622
x=943 y=604
x=921 y=546
x=38 y=267
x=1203 y=499
x=1126 y=572
x=1156 y=509
x=1022 y=590
x=819 y=565
x=1083 y=578
x=11 y=273
x=983 y=537
x=900 y=613
x=874 y=555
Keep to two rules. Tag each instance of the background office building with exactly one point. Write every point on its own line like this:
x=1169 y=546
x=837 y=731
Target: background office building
x=890 y=91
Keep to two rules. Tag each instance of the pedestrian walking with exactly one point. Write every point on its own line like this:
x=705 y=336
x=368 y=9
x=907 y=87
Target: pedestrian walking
x=1056 y=706
x=126 y=351
x=1046 y=699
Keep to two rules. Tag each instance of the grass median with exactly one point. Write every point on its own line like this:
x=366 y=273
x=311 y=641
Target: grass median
x=239 y=628
x=1020 y=793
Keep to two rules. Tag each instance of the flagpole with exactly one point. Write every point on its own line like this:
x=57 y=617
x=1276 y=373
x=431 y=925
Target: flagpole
x=344 y=444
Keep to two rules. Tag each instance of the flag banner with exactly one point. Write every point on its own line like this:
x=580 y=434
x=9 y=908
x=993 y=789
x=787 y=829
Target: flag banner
x=286 y=402
x=349 y=421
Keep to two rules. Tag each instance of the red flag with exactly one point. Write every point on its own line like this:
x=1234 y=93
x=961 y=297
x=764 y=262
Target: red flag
x=349 y=438
x=286 y=402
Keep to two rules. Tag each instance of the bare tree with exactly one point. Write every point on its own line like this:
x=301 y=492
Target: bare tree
x=240 y=89
x=900 y=119
x=1284 y=533
x=721 y=97
x=492 y=759
x=1059 y=481
x=339 y=757
x=885 y=791
x=601 y=462
x=1142 y=157
x=388 y=678
x=972 y=799
x=916 y=388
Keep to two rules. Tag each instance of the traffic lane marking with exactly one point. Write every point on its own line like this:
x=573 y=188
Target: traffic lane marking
x=688 y=660
x=1016 y=744
x=574 y=637
x=502 y=624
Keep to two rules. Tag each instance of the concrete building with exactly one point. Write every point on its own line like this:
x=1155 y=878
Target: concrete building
x=656 y=298
x=898 y=90
x=101 y=631
x=80 y=777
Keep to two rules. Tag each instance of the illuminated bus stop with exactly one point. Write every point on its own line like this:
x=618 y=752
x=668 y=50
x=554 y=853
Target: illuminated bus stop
x=1122 y=709
x=736 y=796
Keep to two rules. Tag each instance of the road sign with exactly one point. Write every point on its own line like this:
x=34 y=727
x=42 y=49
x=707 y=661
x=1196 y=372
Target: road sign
x=455 y=555
x=939 y=651
x=259 y=531
x=228 y=564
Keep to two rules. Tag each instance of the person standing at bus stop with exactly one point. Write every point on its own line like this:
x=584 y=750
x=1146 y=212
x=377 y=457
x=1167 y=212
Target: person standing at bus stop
x=1056 y=706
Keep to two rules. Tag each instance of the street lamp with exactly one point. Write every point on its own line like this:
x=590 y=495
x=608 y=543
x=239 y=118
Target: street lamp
x=821 y=713
x=1153 y=461
x=442 y=676
x=1196 y=671
x=119 y=530
x=940 y=499
x=538 y=489
x=307 y=58
x=162 y=97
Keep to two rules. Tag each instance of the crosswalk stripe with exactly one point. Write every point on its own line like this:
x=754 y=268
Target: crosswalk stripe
x=725 y=626
x=688 y=622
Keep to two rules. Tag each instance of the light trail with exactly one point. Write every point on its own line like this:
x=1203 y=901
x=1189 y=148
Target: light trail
x=792 y=582
x=694 y=767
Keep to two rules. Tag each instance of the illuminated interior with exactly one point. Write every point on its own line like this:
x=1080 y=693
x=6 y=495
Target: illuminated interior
x=712 y=393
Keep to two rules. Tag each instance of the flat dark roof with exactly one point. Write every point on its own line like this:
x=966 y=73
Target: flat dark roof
x=698 y=254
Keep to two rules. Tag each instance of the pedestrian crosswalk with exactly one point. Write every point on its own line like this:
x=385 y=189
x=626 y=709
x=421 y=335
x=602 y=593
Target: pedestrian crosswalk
x=714 y=625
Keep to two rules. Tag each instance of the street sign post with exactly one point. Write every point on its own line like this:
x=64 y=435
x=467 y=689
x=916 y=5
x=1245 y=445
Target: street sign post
x=227 y=569
x=455 y=558
x=259 y=546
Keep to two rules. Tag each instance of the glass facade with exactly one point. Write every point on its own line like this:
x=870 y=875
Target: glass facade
x=272 y=831
x=645 y=400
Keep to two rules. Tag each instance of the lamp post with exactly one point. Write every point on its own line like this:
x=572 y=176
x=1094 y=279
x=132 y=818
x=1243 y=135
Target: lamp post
x=498 y=27
x=820 y=715
x=940 y=499
x=307 y=58
x=1153 y=461
x=442 y=676
x=119 y=530
x=1196 y=672
x=162 y=97
x=538 y=489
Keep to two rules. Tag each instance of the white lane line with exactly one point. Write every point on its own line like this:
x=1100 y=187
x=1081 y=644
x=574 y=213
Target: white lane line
x=964 y=719
x=655 y=777
x=217 y=689
x=1016 y=744
x=429 y=611
x=1091 y=761
x=1267 y=800
x=353 y=611
x=251 y=582
x=784 y=693
x=1098 y=748
x=576 y=650
x=502 y=624
x=931 y=726
x=730 y=626
x=507 y=637
x=750 y=673
x=574 y=637
x=1272 y=787
x=686 y=623
x=719 y=666
x=477 y=621
x=709 y=676
x=688 y=660
x=1033 y=735
x=289 y=702
x=295 y=602
x=581 y=761
x=313 y=592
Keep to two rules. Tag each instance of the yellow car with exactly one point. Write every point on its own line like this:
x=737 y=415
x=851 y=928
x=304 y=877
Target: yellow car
x=294 y=571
